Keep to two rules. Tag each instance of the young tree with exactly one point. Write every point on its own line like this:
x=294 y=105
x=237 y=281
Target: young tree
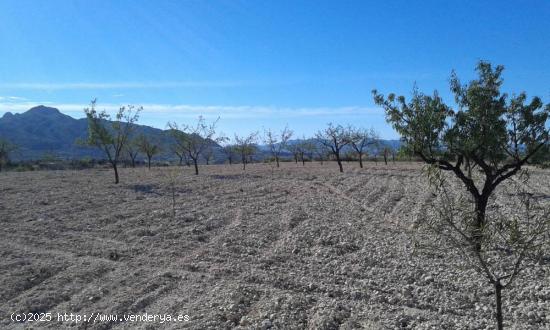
x=229 y=152
x=386 y=153
x=6 y=148
x=277 y=143
x=321 y=151
x=111 y=136
x=295 y=151
x=496 y=133
x=334 y=138
x=132 y=150
x=147 y=147
x=182 y=156
x=208 y=155
x=305 y=148
x=360 y=139
x=246 y=146
x=194 y=140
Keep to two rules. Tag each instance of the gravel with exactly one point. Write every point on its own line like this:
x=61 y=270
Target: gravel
x=289 y=248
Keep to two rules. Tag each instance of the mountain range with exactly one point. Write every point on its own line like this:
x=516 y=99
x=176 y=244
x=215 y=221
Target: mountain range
x=46 y=132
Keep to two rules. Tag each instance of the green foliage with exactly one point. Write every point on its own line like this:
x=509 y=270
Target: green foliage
x=497 y=134
x=148 y=147
x=245 y=146
x=110 y=136
x=194 y=140
x=488 y=127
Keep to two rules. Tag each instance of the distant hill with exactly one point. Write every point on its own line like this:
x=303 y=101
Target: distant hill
x=44 y=131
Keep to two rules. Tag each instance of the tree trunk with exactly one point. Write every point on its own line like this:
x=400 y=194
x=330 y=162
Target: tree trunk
x=303 y=161
x=498 y=297
x=116 y=172
x=277 y=160
x=230 y=161
x=339 y=162
x=181 y=161
x=149 y=162
x=196 y=166
x=244 y=163
x=385 y=158
x=480 y=208
x=360 y=160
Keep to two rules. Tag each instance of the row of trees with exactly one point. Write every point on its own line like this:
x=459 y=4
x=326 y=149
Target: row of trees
x=483 y=143
x=114 y=137
x=191 y=143
x=486 y=141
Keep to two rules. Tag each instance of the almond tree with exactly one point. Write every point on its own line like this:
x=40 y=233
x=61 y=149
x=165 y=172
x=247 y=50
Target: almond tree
x=132 y=150
x=295 y=151
x=496 y=133
x=147 y=147
x=305 y=148
x=321 y=151
x=360 y=139
x=228 y=149
x=194 y=140
x=334 y=138
x=245 y=146
x=182 y=156
x=208 y=155
x=277 y=143
x=111 y=136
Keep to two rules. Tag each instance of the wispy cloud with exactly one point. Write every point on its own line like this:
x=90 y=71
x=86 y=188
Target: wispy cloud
x=12 y=98
x=209 y=111
x=117 y=85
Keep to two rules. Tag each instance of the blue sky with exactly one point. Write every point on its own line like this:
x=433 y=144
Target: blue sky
x=261 y=64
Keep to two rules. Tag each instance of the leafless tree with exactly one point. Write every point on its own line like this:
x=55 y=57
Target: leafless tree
x=208 y=155
x=148 y=147
x=194 y=140
x=334 y=138
x=305 y=148
x=245 y=146
x=322 y=152
x=360 y=139
x=277 y=143
x=132 y=151
x=182 y=156
x=386 y=152
x=229 y=151
x=294 y=150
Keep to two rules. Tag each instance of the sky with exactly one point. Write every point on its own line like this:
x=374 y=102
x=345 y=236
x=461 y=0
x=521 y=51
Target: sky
x=261 y=64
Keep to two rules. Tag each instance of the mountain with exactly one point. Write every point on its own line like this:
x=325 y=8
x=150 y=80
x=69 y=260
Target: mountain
x=43 y=131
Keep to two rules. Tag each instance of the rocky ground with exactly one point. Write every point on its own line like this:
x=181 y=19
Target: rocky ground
x=290 y=248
